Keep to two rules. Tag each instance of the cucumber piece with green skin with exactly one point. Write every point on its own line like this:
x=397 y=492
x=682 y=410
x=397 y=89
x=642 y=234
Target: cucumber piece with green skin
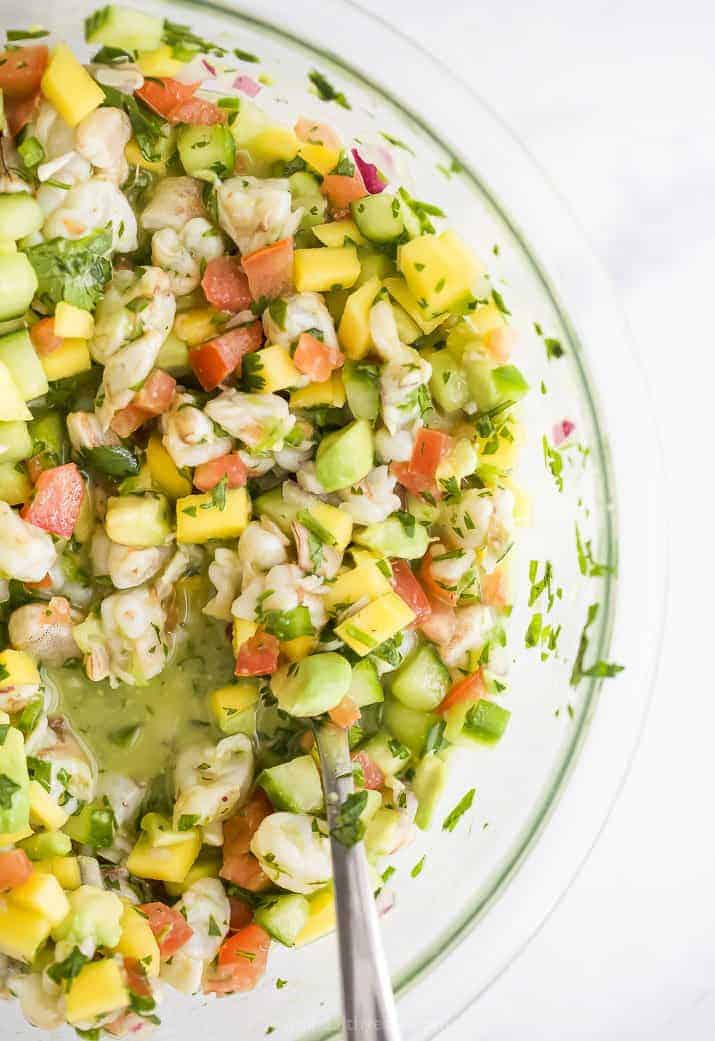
x=18 y=285
x=15 y=807
x=424 y=512
x=272 y=505
x=207 y=152
x=373 y=265
x=20 y=215
x=49 y=438
x=428 y=784
x=391 y=539
x=15 y=442
x=317 y=684
x=362 y=389
x=283 y=917
x=490 y=386
x=47 y=844
x=305 y=190
x=388 y=753
x=382 y=833
x=410 y=727
x=20 y=357
x=365 y=688
x=138 y=520
x=345 y=456
x=294 y=786
x=448 y=385
x=379 y=217
x=92 y=826
x=123 y=27
x=485 y=722
x=422 y=681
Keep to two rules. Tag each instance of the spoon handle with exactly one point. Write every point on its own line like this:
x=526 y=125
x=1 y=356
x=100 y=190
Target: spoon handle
x=368 y=1003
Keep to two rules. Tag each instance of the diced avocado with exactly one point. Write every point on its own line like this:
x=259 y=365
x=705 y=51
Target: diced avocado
x=207 y=152
x=92 y=826
x=138 y=520
x=362 y=389
x=306 y=193
x=392 y=538
x=345 y=456
x=448 y=385
x=234 y=707
x=14 y=784
x=294 y=786
x=283 y=917
x=388 y=753
x=365 y=688
x=20 y=215
x=20 y=357
x=124 y=27
x=428 y=784
x=94 y=915
x=272 y=505
x=491 y=386
x=409 y=726
x=173 y=356
x=47 y=844
x=485 y=722
x=18 y=285
x=314 y=685
x=422 y=680
x=15 y=442
x=15 y=485
x=424 y=512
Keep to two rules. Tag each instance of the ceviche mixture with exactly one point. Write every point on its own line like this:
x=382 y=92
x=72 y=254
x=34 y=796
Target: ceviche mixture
x=257 y=421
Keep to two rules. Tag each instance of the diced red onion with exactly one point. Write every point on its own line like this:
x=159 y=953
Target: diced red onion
x=385 y=901
x=207 y=65
x=373 y=182
x=562 y=431
x=247 y=85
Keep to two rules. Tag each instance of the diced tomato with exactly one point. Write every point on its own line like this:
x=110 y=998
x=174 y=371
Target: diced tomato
x=44 y=583
x=340 y=189
x=170 y=928
x=21 y=70
x=137 y=980
x=43 y=336
x=471 y=688
x=408 y=589
x=165 y=94
x=15 y=868
x=270 y=270
x=197 y=112
x=258 y=656
x=345 y=713
x=242 y=961
x=435 y=589
x=156 y=394
x=441 y=623
x=317 y=133
x=128 y=419
x=495 y=588
x=208 y=475
x=371 y=772
x=241 y=914
x=419 y=474
x=239 y=864
x=21 y=111
x=225 y=285
x=315 y=358
x=57 y=501
x=214 y=361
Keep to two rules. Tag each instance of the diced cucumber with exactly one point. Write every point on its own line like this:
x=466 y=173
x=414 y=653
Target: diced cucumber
x=379 y=217
x=49 y=438
x=47 y=844
x=18 y=285
x=305 y=189
x=485 y=722
x=448 y=385
x=20 y=215
x=138 y=520
x=248 y=122
x=283 y=917
x=15 y=486
x=92 y=826
x=373 y=265
x=272 y=505
x=365 y=688
x=382 y=834
x=207 y=152
x=345 y=456
x=294 y=786
x=15 y=442
x=392 y=538
x=123 y=27
x=410 y=727
x=314 y=685
x=388 y=753
x=491 y=386
x=362 y=389
x=407 y=330
x=424 y=512
x=20 y=357
x=422 y=681
x=173 y=356
x=428 y=785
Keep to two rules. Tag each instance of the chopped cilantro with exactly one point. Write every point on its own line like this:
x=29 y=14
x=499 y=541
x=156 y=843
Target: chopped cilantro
x=454 y=816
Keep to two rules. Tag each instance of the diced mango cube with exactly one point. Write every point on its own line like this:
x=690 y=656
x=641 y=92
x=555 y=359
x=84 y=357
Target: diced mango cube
x=331 y=393
x=298 y=648
x=321 y=917
x=164 y=471
x=418 y=311
x=45 y=811
x=324 y=268
x=133 y=155
x=242 y=630
x=208 y=865
x=138 y=941
x=43 y=894
x=68 y=360
x=486 y=318
x=168 y=863
x=440 y=270
x=320 y=157
x=335 y=232
x=198 y=324
x=98 y=989
x=159 y=62
x=73 y=322
x=69 y=87
x=12 y=403
x=22 y=932
x=17 y=669
x=367 y=579
x=375 y=623
x=198 y=519
x=276 y=369
x=336 y=524
x=231 y=705
x=274 y=143
x=65 y=870
x=9 y=838
x=354 y=328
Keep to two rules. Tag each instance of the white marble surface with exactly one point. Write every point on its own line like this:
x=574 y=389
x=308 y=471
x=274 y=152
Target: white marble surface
x=615 y=101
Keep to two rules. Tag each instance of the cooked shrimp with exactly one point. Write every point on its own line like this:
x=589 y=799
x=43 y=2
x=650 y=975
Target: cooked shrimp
x=182 y=254
x=189 y=436
x=72 y=778
x=262 y=546
x=100 y=138
x=92 y=206
x=225 y=572
x=473 y=625
x=85 y=431
x=315 y=557
x=44 y=631
x=26 y=552
x=373 y=499
x=212 y=781
x=256 y=212
x=261 y=421
x=303 y=311
x=175 y=201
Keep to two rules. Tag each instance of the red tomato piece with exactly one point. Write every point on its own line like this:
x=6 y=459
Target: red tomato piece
x=127 y=420
x=408 y=589
x=239 y=864
x=471 y=688
x=156 y=394
x=43 y=336
x=57 y=501
x=44 y=583
x=372 y=774
x=137 y=979
x=340 y=190
x=258 y=656
x=214 y=361
x=435 y=589
x=270 y=270
x=441 y=623
x=241 y=914
x=170 y=928
x=315 y=358
x=242 y=961
x=21 y=70
x=345 y=713
x=495 y=588
x=197 y=112
x=317 y=133
x=225 y=286
x=208 y=475
x=165 y=94
x=15 y=868
x=21 y=111
x=419 y=474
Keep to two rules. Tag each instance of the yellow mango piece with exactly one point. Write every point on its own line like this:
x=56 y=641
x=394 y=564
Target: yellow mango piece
x=299 y=647
x=274 y=143
x=486 y=318
x=337 y=523
x=367 y=579
x=65 y=870
x=324 y=268
x=335 y=232
x=133 y=155
x=198 y=519
x=375 y=623
x=9 y=838
x=98 y=989
x=73 y=322
x=354 y=328
x=43 y=894
x=17 y=669
x=159 y=62
x=331 y=392
x=8 y=246
x=22 y=931
x=320 y=157
x=198 y=324
x=407 y=329
x=12 y=403
x=45 y=811
x=419 y=313
x=70 y=359
x=69 y=87
x=208 y=865
x=164 y=471
x=169 y=863
x=361 y=555
x=440 y=270
x=321 y=917
x=137 y=940
x=227 y=704
x=276 y=369
x=242 y=630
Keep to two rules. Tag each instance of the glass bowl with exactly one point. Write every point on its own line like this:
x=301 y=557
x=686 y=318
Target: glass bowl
x=543 y=793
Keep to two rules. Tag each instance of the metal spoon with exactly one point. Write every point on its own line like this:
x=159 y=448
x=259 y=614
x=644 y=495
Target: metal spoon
x=368 y=1002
